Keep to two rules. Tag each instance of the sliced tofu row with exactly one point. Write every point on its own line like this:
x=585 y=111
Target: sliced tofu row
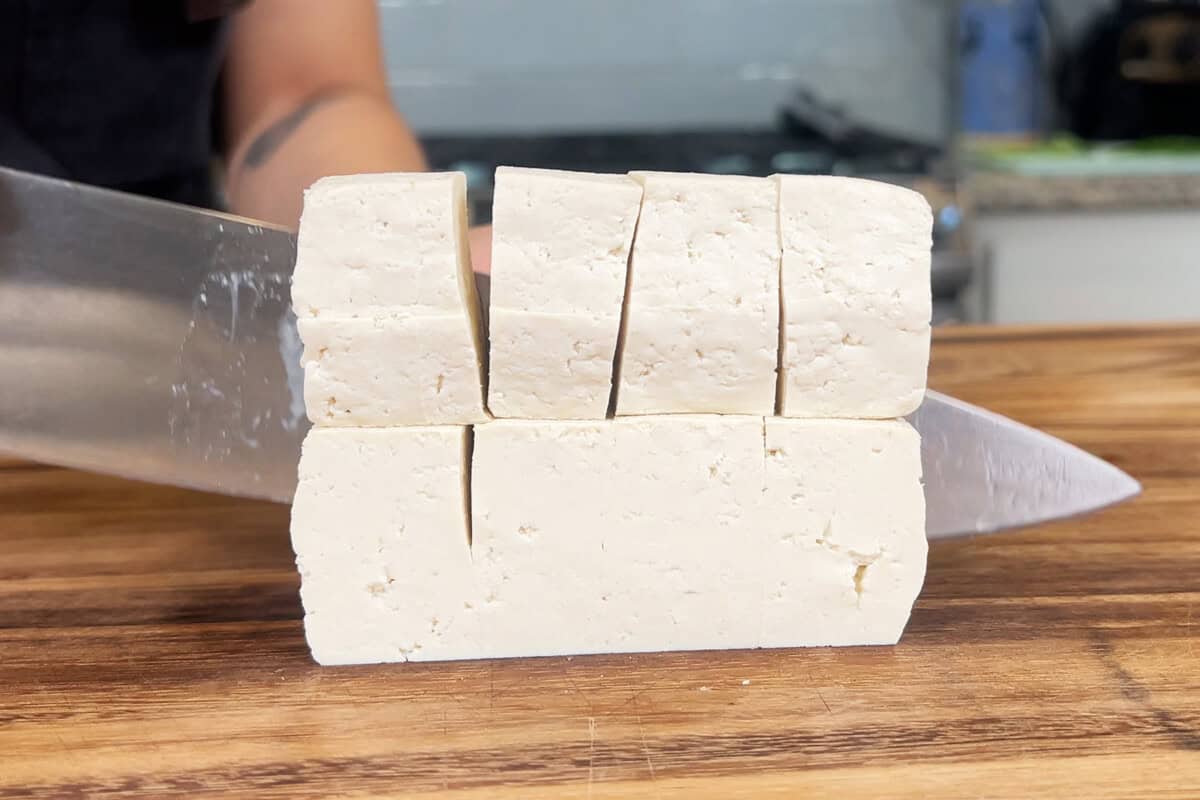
x=805 y=296
x=636 y=534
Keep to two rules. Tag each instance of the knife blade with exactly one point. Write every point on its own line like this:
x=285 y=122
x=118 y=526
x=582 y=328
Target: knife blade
x=156 y=341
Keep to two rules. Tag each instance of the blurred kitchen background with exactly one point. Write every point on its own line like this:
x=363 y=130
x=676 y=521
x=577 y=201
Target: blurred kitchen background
x=1051 y=136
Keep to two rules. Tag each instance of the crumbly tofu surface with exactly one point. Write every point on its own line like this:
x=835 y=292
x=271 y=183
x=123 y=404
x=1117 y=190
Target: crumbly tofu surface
x=856 y=297
x=384 y=245
x=618 y=536
x=694 y=361
x=550 y=366
x=702 y=310
x=560 y=248
x=379 y=526
x=391 y=372
x=561 y=240
x=844 y=549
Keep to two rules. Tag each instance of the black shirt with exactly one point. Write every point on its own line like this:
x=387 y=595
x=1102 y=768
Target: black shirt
x=117 y=93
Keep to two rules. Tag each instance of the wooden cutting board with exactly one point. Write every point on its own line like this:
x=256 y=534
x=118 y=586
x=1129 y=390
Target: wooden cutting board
x=151 y=645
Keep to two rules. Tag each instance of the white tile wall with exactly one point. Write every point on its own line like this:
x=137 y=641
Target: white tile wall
x=474 y=66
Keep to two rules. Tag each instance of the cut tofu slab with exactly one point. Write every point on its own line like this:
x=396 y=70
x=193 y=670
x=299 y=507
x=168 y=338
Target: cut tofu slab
x=379 y=526
x=856 y=297
x=845 y=547
x=560 y=249
x=384 y=245
x=695 y=532
x=387 y=372
x=637 y=534
x=702 y=310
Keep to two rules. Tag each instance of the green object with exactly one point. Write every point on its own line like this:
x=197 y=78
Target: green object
x=1068 y=156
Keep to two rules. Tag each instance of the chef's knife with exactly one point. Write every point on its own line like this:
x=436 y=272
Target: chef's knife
x=155 y=341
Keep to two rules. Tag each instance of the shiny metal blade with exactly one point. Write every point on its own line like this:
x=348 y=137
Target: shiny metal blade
x=146 y=339
x=986 y=473
x=154 y=341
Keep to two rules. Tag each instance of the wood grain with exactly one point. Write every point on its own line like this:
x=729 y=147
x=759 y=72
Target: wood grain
x=150 y=645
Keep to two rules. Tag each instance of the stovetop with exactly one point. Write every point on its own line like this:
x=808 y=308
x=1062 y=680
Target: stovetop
x=750 y=152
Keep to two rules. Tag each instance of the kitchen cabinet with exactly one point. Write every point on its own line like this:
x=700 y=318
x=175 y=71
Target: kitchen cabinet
x=1088 y=266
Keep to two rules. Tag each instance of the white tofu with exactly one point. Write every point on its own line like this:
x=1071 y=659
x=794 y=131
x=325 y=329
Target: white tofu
x=618 y=536
x=637 y=534
x=412 y=371
x=379 y=526
x=550 y=366
x=845 y=549
x=856 y=297
x=385 y=245
x=560 y=241
x=679 y=533
x=560 y=249
x=386 y=302
x=702 y=311
x=692 y=360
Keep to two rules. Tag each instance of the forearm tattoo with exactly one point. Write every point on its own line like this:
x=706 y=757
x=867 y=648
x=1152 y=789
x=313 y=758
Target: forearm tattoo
x=267 y=143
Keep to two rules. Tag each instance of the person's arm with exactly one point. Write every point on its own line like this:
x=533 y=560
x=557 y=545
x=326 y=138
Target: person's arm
x=306 y=96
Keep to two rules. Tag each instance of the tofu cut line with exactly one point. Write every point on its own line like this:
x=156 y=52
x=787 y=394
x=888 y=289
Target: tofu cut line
x=622 y=325
x=784 y=544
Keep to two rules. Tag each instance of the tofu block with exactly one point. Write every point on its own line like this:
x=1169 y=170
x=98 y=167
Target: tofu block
x=385 y=245
x=702 y=311
x=550 y=366
x=845 y=548
x=379 y=526
x=856 y=297
x=383 y=372
x=560 y=250
x=626 y=535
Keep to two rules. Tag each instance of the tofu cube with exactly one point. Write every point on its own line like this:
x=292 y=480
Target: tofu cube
x=382 y=372
x=702 y=311
x=856 y=297
x=380 y=530
x=384 y=245
x=550 y=366
x=844 y=549
x=560 y=250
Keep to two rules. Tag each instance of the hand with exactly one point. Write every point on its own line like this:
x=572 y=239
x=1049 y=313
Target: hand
x=479 y=239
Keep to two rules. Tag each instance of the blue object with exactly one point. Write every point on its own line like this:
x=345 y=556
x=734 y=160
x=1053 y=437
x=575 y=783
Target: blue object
x=1000 y=66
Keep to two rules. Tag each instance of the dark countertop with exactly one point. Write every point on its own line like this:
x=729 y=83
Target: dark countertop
x=1001 y=192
